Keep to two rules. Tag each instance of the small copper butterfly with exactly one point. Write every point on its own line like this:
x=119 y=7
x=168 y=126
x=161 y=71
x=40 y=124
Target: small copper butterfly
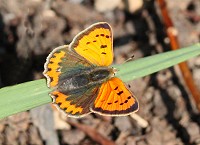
x=81 y=78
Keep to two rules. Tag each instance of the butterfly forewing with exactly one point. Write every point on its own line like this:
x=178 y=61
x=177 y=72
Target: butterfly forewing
x=62 y=63
x=95 y=44
x=52 y=65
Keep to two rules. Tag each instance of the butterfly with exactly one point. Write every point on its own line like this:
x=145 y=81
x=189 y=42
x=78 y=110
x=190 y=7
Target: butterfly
x=82 y=79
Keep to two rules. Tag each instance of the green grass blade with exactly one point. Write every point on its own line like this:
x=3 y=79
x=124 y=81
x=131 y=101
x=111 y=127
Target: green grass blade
x=23 y=97
x=148 y=65
x=28 y=95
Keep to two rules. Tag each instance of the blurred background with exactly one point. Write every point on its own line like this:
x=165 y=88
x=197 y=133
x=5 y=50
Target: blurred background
x=31 y=29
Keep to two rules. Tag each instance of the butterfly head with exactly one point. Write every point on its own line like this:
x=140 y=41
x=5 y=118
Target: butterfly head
x=114 y=70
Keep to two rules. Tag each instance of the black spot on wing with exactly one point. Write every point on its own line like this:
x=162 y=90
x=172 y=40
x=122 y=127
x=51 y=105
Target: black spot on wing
x=55 y=95
x=120 y=92
x=116 y=88
x=53 y=56
x=60 y=63
x=49 y=69
x=103 y=46
x=103 y=53
x=51 y=62
x=51 y=79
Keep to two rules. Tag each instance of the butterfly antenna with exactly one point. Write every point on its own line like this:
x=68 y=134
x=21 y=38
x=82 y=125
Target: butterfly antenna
x=130 y=59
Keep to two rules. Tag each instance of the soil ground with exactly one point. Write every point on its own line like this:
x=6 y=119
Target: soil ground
x=30 y=30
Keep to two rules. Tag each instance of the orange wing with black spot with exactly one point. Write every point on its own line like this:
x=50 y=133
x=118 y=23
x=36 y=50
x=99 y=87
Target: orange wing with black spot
x=63 y=62
x=75 y=105
x=52 y=66
x=115 y=99
x=95 y=44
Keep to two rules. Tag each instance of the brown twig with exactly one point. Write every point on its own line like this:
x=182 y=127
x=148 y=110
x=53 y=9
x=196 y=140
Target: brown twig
x=92 y=133
x=171 y=32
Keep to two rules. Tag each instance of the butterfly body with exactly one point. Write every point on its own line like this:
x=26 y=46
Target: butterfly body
x=86 y=78
x=81 y=78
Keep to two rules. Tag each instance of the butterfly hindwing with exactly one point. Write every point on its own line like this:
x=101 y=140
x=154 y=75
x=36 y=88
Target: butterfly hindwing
x=95 y=44
x=76 y=104
x=115 y=99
